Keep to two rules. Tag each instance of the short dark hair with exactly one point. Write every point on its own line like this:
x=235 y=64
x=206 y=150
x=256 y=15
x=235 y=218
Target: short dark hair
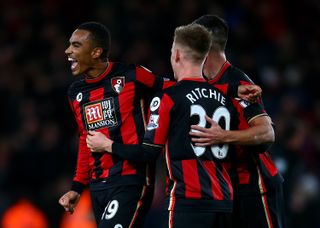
x=195 y=39
x=100 y=36
x=219 y=29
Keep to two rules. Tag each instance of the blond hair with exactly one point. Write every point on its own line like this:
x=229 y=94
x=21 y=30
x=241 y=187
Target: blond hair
x=195 y=40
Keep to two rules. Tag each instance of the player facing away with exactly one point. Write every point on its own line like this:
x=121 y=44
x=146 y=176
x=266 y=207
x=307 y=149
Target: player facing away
x=199 y=191
x=107 y=99
x=257 y=184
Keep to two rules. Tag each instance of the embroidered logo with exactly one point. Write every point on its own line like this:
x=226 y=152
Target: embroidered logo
x=118 y=83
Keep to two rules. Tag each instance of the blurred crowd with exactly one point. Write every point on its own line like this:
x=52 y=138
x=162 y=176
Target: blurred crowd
x=276 y=43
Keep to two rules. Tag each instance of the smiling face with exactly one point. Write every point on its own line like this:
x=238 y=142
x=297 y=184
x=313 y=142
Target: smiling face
x=81 y=52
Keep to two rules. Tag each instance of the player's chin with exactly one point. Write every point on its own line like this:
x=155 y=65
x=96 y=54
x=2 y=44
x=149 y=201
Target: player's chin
x=76 y=72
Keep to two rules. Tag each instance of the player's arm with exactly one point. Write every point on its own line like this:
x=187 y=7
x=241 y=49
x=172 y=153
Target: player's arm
x=247 y=92
x=69 y=201
x=98 y=142
x=251 y=93
x=259 y=132
x=150 y=82
x=154 y=138
x=82 y=173
x=81 y=178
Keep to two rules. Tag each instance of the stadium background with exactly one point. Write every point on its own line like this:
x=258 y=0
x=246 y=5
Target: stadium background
x=276 y=43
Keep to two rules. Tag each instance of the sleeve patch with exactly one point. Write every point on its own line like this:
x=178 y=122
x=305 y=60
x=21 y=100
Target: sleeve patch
x=153 y=122
x=244 y=103
x=155 y=104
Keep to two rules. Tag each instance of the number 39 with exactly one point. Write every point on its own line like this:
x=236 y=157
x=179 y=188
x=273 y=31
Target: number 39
x=221 y=112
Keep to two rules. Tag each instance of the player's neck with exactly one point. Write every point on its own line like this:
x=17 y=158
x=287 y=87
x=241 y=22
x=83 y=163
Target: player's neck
x=97 y=70
x=189 y=71
x=214 y=64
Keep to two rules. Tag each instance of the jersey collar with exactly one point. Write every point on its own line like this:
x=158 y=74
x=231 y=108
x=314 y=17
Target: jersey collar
x=224 y=67
x=193 y=79
x=101 y=76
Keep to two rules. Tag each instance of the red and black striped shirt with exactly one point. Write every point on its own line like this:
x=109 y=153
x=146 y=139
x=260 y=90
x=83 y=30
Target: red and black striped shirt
x=252 y=171
x=196 y=176
x=111 y=104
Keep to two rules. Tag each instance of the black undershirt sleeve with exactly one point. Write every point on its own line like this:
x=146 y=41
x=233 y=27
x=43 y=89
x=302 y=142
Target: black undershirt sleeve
x=77 y=187
x=138 y=153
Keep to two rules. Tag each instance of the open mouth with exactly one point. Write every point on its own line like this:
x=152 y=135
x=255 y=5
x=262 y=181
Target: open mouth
x=74 y=63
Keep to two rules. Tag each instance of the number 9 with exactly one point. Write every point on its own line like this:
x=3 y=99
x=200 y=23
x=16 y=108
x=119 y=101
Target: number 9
x=110 y=210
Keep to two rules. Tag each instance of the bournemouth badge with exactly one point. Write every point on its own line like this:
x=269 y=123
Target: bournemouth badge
x=117 y=83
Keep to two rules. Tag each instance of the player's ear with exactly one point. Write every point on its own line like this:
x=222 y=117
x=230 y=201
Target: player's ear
x=177 y=55
x=96 y=52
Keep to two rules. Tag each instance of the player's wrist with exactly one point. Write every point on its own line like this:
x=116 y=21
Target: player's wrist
x=108 y=146
x=227 y=137
x=77 y=187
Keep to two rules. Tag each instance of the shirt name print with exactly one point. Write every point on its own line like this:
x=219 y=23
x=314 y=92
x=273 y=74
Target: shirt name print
x=199 y=93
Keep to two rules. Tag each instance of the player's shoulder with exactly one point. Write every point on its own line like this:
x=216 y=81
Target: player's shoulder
x=143 y=71
x=172 y=89
x=75 y=87
x=165 y=94
x=239 y=75
x=121 y=67
x=144 y=68
x=183 y=87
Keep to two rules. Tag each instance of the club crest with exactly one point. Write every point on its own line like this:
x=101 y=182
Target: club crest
x=117 y=83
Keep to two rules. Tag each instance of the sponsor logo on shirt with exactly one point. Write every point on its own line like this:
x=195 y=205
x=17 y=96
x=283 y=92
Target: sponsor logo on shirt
x=100 y=114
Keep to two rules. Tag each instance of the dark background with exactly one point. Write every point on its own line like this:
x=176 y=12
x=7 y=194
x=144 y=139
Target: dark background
x=276 y=43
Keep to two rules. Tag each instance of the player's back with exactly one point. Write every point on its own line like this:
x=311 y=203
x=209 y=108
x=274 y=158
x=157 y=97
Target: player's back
x=196 y=175
x=246 y=160
x=192 y=100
